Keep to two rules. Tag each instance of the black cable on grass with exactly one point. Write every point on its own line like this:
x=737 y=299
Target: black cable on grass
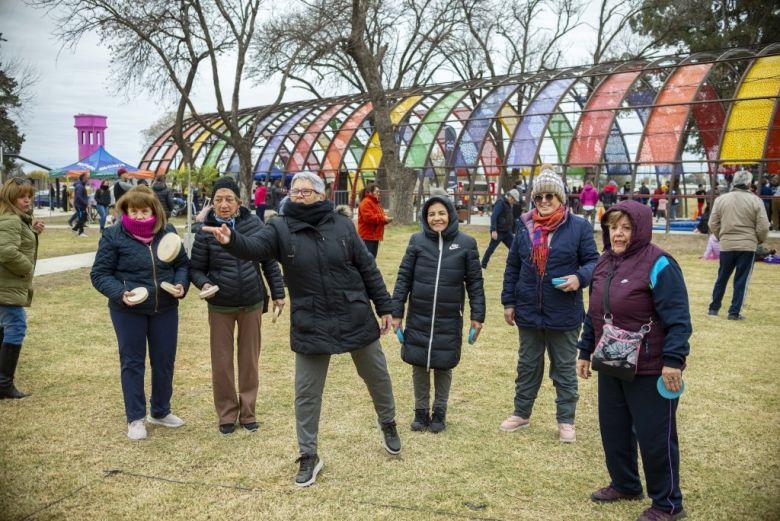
x=116 y=472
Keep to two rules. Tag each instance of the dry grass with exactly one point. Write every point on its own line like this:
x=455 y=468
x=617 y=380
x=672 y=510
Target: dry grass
x=55 y=242
x=63 y=441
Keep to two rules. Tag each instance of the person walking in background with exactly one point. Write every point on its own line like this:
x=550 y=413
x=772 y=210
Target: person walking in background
x=261 y=193
x=372 y=218
x=609 y=195
x=240 y=302
x=440 y=266
x=550 y=263
x=658 y=194
x=501 y=224
x=126 y=264
x=589 y=197
x=574 y=201
x=330 y=314
x=638 y=287
x=102 y=202
x=644 y=192
x=52 y=196
x=738 y=220
x=80 y=203
x=18 y=252
x=766 y=194
x=122 y=185
x=700 y=194
x=164 y=195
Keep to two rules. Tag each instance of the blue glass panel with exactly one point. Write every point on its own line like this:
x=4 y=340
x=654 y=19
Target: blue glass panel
x=474 y=133
x=271 y=149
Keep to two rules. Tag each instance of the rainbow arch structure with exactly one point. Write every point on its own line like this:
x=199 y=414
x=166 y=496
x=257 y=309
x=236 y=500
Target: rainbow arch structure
x=704 y=113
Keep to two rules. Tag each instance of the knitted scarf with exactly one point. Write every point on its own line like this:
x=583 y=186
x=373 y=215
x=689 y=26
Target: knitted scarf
x=543 y=226
x=143 y=230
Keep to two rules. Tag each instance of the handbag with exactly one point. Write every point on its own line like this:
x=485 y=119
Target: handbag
x=617 y=352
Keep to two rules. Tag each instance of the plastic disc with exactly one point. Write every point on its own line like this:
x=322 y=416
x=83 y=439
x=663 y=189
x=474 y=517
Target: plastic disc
x=138 y=295
x=170 y=288
x=208 y=292
x=666 y=393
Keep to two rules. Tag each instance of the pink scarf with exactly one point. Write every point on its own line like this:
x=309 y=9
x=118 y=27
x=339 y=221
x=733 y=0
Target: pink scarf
x=143 y=230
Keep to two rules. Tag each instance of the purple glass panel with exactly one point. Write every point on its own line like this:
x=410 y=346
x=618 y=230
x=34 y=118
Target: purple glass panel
x=233 y=166
x=525 y=142
x=473 y=134
x=272 y=148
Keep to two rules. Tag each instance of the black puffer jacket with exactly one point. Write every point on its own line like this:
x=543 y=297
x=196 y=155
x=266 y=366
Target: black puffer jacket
x=123 y=263
x=330 y=277
x=165 y=196
x=239 y=280
x=435 y=274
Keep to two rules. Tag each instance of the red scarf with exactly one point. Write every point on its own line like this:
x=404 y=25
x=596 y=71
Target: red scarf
x=543 y=226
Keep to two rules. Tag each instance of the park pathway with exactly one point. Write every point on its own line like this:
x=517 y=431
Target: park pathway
x=64 y=263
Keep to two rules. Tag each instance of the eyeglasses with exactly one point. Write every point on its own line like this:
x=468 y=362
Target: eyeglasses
x=547 y=197
x=22 y=181
x=306 y=192
x=229 y=200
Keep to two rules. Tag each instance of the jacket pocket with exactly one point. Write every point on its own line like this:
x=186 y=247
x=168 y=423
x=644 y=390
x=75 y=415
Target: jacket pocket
x=302 y=314
x=358 y=308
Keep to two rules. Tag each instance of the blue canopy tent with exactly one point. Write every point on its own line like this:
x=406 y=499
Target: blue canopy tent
x=100 y=164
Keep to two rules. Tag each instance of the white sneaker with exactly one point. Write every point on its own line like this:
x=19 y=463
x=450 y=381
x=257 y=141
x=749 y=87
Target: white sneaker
x=136 y=430
x=171 y=421
x=82 y=234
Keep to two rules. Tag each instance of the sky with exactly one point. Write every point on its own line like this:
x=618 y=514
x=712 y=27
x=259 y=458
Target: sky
x=77 y=81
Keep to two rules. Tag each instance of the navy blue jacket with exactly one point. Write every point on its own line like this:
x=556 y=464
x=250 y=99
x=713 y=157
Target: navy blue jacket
x=537 y=303
x=80 y=196
x=502 y=219
x=123 y=263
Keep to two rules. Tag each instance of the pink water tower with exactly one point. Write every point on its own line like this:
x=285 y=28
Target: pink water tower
x=90 y=132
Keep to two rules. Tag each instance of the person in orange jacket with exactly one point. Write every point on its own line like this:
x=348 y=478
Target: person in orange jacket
x=371 y=218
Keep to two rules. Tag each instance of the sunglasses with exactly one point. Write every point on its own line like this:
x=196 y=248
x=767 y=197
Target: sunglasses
x=22 y=181
x=547 y=197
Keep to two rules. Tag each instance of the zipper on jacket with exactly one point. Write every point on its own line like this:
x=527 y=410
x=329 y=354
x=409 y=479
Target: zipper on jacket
x=435 y=296
x=154 y=276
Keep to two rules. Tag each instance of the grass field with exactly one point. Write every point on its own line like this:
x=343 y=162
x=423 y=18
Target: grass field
x=64 y=453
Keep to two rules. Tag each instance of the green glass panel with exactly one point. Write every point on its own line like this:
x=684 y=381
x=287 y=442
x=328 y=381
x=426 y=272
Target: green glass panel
x=428 y=129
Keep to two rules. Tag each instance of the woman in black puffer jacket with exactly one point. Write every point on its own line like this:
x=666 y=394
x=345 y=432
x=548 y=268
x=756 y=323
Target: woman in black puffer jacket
x=441 y=264
x=240 y=301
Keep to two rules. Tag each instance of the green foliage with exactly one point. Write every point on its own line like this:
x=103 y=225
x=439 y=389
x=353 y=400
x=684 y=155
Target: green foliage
x=202 y=177
x=10 y=136
x=701 y=25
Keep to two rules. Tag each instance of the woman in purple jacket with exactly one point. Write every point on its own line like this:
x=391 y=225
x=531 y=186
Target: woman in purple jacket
x=648 y=285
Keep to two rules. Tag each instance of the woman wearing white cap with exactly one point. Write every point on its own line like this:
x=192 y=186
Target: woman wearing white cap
x=550 y=262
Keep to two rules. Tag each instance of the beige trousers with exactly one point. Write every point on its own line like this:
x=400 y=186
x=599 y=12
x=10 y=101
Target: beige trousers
x=230 y=406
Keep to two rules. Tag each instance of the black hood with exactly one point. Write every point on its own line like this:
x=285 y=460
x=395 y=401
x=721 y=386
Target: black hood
x=452 y=228
x=641 y=217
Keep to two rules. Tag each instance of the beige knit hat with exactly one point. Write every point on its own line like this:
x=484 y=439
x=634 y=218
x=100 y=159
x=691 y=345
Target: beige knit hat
x=548 y=182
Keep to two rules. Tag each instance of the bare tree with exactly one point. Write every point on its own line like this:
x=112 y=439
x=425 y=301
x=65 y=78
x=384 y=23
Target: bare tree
x=160 y=45
x=379 y=45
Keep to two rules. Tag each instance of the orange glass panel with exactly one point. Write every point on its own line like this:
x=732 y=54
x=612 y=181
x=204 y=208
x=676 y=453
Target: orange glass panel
x=341 y=140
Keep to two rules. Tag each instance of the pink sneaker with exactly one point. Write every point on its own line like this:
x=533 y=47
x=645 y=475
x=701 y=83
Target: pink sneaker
x=566 y=432
x=514 y=423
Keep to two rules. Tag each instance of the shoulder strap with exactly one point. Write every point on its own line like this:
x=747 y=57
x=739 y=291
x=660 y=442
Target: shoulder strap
x=605 y=300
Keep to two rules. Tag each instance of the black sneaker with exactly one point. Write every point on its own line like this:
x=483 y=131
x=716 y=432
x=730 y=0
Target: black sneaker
x=712 y=313
x=251 y=427
x=227 y=428
x=421 y=420
x=437 y=419
x=310 y=466
x=388 y=436
x=737 y=317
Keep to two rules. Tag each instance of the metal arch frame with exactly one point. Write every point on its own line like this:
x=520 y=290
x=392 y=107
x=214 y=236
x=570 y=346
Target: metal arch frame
x=306 y=142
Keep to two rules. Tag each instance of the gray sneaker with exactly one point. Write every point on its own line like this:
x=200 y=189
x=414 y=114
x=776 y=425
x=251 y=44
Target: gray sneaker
x=171 y=421
x=136 y=430
x=388 y=437
x=310 y=466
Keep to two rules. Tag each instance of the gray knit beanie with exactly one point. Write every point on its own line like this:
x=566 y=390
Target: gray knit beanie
x=548 y=182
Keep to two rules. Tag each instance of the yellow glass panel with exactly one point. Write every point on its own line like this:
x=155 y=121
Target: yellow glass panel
x=373 y=154
x=748 y=122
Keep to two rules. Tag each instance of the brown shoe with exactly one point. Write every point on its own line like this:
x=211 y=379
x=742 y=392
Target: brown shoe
x=608 y=494
x=653 y=514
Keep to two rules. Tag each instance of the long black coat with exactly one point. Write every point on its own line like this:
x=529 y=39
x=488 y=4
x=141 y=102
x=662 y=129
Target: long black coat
x=435 y=275
x=330 y=277
x=239 y=281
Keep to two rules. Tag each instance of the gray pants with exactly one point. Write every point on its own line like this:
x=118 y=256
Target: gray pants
x=310 y=373
x=422 y=387
x=562 y=349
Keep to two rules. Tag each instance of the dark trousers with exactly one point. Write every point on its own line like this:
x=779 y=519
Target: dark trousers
x=372 y=247
x=81 y=219
x=742 y=261
x=133 y=330
x=631 y=412
x=260 y=212
x=505 y=237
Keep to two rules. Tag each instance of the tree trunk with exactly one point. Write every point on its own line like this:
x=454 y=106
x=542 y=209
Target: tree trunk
x=246 y=175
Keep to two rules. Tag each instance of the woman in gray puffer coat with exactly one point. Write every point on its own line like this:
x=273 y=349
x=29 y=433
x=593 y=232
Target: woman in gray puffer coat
x=441 y=264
